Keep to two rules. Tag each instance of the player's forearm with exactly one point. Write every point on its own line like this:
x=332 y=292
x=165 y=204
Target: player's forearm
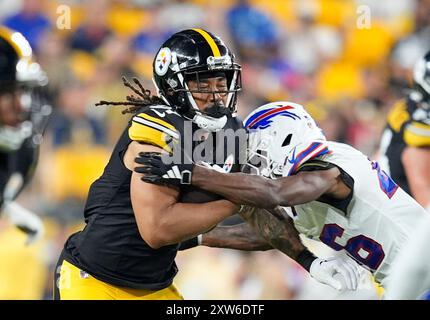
x=265 y=193
x=276 y=228
x=239 y=188
x=240 y=237
x=182 y=221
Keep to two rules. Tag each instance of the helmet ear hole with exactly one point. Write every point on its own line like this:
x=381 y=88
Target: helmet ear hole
x=287 y=140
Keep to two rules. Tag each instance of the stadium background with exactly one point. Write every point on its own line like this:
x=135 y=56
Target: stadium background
x=317 y=53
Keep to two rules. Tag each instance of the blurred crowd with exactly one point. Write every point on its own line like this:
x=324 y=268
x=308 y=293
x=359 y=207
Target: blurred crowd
x=347 y=61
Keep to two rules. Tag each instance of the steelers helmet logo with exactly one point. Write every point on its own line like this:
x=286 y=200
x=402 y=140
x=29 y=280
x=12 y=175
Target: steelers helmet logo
x=162 y=61
x=228 y=164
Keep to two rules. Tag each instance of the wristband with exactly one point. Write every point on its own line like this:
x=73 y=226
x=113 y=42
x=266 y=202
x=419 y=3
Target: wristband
x=190 y=243
x=305 y=259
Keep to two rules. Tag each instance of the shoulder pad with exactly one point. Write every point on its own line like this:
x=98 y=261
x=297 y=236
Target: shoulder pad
x=314 y=165
x=154 y=126
x=302 y=153
x=398 y=115
x=417 y=134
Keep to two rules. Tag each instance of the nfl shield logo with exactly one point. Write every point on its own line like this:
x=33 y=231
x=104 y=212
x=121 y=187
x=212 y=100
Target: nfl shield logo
x=228 y=164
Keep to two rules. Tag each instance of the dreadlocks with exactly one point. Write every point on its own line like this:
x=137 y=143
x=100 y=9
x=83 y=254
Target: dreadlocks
x=143 y=98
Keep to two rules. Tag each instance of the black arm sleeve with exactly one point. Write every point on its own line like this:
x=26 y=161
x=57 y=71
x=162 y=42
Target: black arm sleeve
x=188 y=244
x=21 y=162
x=305 y=259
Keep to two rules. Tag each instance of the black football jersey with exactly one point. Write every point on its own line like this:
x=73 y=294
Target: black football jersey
x=110 y=247
x=407 y=125
x=16 y=169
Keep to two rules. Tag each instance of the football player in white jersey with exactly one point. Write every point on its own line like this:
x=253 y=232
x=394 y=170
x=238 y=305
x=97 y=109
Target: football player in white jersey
x=333 y=192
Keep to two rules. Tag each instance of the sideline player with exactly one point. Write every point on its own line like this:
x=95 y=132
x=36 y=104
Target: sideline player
x=23 y=118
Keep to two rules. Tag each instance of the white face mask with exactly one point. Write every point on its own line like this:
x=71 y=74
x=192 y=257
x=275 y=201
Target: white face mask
x=11 y=138
x=209 y=123
x=259 y=160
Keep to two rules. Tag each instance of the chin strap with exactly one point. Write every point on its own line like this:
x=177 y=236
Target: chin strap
x=209 y=123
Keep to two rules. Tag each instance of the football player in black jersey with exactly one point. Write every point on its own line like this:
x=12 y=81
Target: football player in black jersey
x=134 y=229
x=406 y=147
x=23 y=117
x=405 y=142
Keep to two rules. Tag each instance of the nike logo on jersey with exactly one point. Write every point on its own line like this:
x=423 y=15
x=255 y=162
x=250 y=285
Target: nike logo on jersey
x=228 y=164
x=160 y=114
x=164 y=109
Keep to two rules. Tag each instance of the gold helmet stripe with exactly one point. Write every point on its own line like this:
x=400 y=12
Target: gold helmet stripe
x=17 y=41
x=211 y=42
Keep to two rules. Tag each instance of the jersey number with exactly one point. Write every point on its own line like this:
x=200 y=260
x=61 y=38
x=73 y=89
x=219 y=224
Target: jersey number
x=363 y=249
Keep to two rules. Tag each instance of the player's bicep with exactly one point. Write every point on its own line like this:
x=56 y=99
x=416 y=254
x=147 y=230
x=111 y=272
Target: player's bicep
x=133 y=150
x=416 y=163
x=307 y=186
x=321 y=180
x=149 y=201
x=329 y=176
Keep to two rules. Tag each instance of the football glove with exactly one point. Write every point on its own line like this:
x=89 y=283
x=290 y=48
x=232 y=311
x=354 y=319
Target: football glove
x=155 y=171
x=25 y=220
x=337 y=272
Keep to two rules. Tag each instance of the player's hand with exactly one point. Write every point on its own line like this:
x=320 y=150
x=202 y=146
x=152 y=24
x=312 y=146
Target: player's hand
x=337 y=272
x=25 y=220
x=155 y=171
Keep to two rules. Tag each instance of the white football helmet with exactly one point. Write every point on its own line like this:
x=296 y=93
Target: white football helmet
x=275 y=130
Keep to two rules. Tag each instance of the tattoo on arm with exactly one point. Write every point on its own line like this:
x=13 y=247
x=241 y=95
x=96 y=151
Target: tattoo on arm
x=240 y=237
x=276 y=227
x=264 y=230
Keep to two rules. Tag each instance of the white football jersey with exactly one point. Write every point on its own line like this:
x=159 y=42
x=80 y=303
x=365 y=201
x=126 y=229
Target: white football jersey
x=379 y=218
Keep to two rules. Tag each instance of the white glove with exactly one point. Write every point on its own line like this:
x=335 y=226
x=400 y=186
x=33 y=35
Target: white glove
x=337 y=272
x=25 y=220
